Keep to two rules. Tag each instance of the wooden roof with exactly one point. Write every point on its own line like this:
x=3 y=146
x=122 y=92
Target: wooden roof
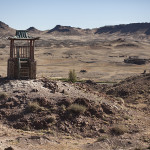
x=22 y=35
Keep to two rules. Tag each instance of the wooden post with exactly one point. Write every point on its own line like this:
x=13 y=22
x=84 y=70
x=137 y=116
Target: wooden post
x=26 y=52
x=31 y=49
x=11 y=48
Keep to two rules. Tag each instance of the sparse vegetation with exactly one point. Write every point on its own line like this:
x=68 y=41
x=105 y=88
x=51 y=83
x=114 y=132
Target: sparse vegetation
x=77 y=108
x=33 y=107
x=49 y=131
x=120 y=100
x=118 y=130
x=3 y=96
x=127 y=117
x=26 y=128
x=50 y=119
x=63 y=107
x=63 y=79
x=72 y=76
x=77 y=113
x=101 y=138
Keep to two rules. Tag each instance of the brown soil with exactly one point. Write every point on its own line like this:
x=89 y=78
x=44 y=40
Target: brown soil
x=47 y=114
x=53 y=111
x=113 y=118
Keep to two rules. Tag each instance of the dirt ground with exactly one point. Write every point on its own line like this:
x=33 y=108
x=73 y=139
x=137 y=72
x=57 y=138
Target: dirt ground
x=53 y=126
x=38 y=114
x=102 y=56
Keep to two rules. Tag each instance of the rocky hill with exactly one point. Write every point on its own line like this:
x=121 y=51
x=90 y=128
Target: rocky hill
x=133 y=28
x=126 y=28
x=141 y=28
x=5 y=30
x=91 y=38
x=114 y=116
x=3 y=25
x=33 y=30
x=68 y=30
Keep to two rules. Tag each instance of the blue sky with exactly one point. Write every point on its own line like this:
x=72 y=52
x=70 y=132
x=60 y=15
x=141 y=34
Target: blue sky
x=45 y=14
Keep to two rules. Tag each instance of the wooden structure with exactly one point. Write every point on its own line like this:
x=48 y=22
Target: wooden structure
x=21 y=64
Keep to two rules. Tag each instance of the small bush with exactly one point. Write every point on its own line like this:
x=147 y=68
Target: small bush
x=3 y=96
x=72 y=76
x=33 y=107
x=118 y=130
x=50 y=119
x=77 y=108
x=25 y=127
x=120 y=100
x=63 y=107
x=126 y=117
x=101 y=138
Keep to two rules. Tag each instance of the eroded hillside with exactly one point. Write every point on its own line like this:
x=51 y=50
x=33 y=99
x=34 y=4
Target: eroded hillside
x=45 y=112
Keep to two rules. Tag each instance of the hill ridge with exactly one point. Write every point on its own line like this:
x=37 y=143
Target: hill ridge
x=125 y=28
x=141 y=28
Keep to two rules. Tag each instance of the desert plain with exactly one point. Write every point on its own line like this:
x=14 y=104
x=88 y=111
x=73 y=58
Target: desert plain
x=113 y=95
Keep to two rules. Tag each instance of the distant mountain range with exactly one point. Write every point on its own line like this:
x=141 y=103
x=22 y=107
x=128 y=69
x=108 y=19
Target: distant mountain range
x=126 y=28
x=140 y=28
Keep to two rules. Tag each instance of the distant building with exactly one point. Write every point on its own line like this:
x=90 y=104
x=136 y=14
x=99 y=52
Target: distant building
x=21 y=64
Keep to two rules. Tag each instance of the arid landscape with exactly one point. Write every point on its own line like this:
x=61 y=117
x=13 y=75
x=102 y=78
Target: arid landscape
x=98 y=51
x=107 y=109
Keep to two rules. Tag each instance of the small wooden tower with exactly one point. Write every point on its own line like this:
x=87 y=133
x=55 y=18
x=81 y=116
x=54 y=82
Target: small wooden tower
x=21 y=64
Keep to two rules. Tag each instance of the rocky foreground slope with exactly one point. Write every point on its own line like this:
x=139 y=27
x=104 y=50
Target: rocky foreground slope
x=62 y=107
x=111 y=117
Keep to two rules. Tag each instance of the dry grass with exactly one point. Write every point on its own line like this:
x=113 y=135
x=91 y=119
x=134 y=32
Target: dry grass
x=72 y=76
x=76 y=108
x=34 y=107
x=104 y=63
x=118 y=130
x=3 y=96
x=101 y=138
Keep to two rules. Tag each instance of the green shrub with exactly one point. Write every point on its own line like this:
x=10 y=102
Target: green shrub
x=118 y=130
x=3 y=96
x=33 y=107
x=77 y=108
x=72 y=76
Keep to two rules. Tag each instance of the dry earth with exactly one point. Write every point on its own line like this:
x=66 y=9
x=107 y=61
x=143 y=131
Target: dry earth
x=101 y=56
x=115 y=117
